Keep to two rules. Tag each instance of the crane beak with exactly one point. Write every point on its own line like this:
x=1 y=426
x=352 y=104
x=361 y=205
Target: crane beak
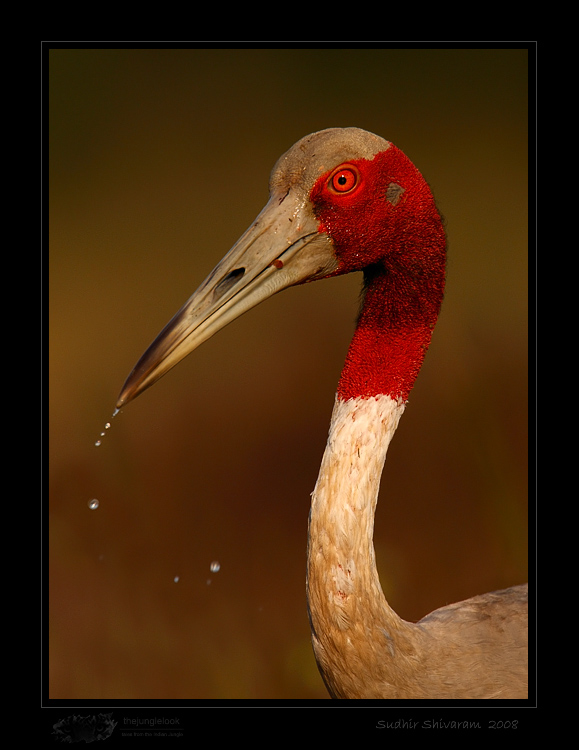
x=283 y=247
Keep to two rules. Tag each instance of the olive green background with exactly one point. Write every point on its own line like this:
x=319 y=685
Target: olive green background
x=158 y=160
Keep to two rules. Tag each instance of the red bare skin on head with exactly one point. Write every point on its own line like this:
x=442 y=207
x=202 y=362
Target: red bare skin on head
x=382 y=219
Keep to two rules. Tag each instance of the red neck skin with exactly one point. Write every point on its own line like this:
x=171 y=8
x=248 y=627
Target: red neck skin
x=399 y=243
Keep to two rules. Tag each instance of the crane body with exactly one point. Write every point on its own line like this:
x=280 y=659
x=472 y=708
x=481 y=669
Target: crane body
x=344 y=200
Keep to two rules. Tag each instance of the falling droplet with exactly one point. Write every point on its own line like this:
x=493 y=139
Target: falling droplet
x=214 y=567
x=93 y=504
x=176 y=579
x=107 y=427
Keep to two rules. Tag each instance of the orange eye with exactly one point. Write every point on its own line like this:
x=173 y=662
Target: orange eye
x=344 y=179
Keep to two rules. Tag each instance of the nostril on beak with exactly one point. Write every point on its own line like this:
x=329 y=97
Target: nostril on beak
x=226 y=283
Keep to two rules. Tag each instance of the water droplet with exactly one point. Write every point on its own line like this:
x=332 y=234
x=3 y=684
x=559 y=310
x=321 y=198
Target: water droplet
x=107 y=427
x=93 y=504
x=214 y=567
x=176 y=579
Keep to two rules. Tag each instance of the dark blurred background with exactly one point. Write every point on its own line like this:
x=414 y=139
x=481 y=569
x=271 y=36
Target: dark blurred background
x=159 y=160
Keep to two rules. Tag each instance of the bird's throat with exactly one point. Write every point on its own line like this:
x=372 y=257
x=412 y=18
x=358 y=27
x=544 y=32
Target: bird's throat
x=394 y=329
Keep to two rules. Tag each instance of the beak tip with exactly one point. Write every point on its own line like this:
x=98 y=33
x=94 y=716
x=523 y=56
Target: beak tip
x=122 y=400
x=129 y=391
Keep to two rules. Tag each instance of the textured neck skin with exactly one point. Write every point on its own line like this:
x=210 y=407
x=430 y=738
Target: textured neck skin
x=399 y=243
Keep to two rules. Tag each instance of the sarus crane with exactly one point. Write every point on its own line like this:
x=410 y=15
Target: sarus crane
x=343 y=200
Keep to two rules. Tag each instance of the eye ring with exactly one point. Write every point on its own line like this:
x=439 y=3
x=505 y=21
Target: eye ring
x=344 y=179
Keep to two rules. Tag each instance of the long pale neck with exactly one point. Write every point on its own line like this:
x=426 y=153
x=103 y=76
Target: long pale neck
x=347 y=608
x=358 y=639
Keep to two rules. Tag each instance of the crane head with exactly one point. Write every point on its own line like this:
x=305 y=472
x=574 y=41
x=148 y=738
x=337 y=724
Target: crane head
x=331 y=210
